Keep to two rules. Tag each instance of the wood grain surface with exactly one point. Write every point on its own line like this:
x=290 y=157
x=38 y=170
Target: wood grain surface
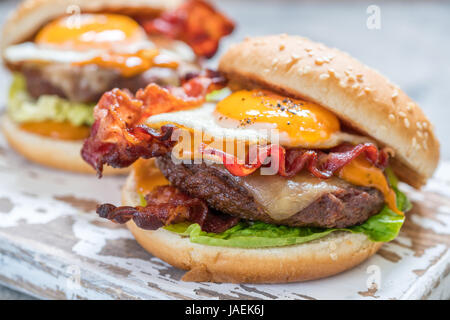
x=52 y=245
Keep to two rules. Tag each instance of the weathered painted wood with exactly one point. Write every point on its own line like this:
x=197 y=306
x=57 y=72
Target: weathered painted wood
x=53 y=246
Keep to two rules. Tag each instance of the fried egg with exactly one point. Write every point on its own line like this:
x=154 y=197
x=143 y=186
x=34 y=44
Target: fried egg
x=108 y=40
x=261 y=117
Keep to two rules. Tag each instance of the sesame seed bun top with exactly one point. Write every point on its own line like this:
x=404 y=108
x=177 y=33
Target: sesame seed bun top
x=361 y=97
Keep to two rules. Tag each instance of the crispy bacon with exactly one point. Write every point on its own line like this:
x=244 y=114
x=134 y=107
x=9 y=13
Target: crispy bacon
x=119 y=136
x=290 y=162
x=167 y=205
x=195 y=22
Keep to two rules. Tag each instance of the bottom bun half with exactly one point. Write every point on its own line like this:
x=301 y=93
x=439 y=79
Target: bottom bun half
x=54 y=153
x=321 y=258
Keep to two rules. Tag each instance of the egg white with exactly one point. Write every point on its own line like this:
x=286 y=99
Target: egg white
x=203 y=119
x=30 y=51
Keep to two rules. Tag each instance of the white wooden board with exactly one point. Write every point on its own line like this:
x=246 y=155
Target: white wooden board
x=52 y=245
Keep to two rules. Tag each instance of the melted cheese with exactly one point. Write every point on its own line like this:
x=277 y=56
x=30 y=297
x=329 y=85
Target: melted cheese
x=147 y=176
x=129 y=64
x=361 y=172
x=57 y=130
x=281 y=197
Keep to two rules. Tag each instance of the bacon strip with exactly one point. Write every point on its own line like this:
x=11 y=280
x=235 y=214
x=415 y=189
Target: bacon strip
x=167 y=205
x=118 y=136
x=292 y=161
x=195 y=22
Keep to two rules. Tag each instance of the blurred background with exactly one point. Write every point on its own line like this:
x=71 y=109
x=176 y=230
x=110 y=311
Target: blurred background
x=408 y=41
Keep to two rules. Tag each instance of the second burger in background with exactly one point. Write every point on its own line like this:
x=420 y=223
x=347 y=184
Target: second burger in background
x=62 y=63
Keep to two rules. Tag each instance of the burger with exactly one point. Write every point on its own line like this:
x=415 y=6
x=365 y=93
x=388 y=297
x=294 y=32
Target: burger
x=282 y=166
x=65 y=54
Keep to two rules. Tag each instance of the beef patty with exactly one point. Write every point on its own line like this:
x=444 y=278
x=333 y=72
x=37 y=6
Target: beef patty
x=88 y=83
x=345 y=207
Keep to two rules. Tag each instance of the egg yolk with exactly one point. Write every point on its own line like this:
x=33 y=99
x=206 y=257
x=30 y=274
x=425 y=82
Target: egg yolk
x=108 y=33
x=90 y=31
x=300 y=123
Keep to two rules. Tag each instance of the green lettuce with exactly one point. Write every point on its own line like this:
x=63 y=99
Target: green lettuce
x=382 y=227
x=217 y=95
x=23 y=108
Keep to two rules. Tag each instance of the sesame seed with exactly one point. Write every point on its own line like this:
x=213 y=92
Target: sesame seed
x=406 y=121
x=420 y=134
x=391 y=118
x=424 y=125
x=274 y=61
x=367 y=89
x=410 y=106
x=319 y=61
x=419 y=125
x=332 y=246
x=331 y=71
x=324 y=76
x=306 y=69
x=295 y=56
x=395 y=94
x=360 y=93
x=402 y=114
x=414 y=141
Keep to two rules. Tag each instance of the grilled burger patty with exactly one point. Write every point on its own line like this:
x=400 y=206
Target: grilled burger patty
x=88 y=83
x=347 y=206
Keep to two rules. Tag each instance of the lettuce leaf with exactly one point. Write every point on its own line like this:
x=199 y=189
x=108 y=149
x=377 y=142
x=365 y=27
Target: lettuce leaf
x=217 y=95
x=23 y=108
x=250 y=235
x=382 y=227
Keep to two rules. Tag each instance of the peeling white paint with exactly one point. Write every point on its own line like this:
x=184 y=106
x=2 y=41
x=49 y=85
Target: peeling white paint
x=48 y=266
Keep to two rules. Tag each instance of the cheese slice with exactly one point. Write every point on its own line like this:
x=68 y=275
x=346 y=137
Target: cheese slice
x=281 y=197
x=361 y=172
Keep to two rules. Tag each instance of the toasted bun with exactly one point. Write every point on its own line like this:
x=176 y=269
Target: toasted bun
x=59 y=154
x=31 y=15
x=359 y=95
x=321 y=258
